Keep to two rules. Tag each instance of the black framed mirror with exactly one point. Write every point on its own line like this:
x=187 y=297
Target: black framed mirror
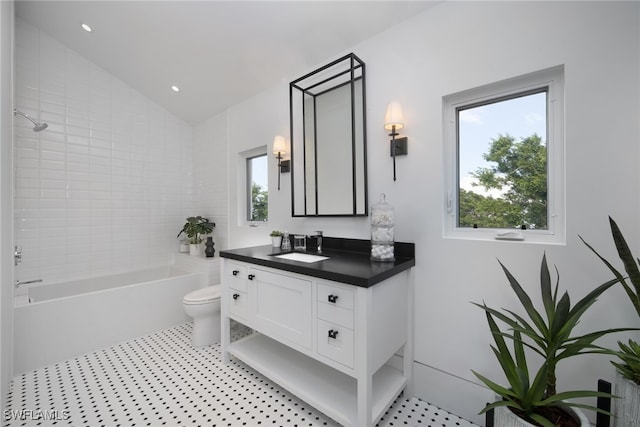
x=328 y=140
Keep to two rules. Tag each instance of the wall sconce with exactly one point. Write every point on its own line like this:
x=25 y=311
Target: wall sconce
x=280 y=149
x=394 y=120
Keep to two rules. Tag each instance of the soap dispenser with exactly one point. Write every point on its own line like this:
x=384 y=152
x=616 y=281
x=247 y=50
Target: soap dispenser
x=382 y=240
x=286 y=242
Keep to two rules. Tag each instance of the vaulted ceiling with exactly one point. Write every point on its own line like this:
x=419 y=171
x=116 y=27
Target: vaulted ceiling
x=217 y=52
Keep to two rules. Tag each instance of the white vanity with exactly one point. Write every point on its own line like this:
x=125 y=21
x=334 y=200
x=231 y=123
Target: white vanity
x=336 y=333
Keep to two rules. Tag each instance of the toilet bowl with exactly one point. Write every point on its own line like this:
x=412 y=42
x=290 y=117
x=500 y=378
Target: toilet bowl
x=203 y=305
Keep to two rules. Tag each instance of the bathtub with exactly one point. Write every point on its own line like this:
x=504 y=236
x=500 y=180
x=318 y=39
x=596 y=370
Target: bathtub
x=54 y=322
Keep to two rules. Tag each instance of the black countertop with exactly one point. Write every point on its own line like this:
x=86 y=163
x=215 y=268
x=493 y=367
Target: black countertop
x=348 y=261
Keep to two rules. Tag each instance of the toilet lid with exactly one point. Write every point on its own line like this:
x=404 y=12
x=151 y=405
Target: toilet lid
x=210 y=293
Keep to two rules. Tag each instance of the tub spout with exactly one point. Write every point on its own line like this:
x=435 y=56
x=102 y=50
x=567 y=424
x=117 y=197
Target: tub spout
x=19 y=283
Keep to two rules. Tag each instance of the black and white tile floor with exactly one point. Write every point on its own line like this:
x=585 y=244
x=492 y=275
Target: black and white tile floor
x=161 y=380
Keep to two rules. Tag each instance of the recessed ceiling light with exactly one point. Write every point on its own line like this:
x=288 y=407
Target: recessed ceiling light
x=86 y=28
x=175 y=88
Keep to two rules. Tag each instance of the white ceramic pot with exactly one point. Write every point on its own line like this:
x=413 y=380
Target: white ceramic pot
x=276 y=241
x=626 y=408
x=504 y=417
x=195 y=249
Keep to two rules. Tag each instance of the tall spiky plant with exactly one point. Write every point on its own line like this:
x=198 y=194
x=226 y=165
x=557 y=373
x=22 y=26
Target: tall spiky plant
x=547 y=333
x=629 y=354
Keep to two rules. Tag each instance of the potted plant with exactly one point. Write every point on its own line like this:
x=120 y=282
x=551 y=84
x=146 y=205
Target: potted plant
x=527 y=402
x=194 y=228
x=276 y=238
x=626 y=408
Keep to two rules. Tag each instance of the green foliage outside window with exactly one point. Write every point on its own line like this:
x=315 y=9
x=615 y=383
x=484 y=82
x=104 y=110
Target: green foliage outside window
x=519 y=171
x=259 y=203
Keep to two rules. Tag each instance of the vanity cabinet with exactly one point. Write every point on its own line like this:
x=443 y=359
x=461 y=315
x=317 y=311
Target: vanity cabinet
x=344 y=349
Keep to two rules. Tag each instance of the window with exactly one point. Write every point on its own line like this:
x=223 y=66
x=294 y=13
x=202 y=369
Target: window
x=504 y=147
x=257 y=190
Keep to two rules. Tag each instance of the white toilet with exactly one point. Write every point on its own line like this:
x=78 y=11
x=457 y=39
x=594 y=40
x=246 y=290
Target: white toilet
x=203 y=305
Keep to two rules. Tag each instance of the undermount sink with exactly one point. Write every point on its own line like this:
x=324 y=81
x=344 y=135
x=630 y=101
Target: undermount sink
x=297 y=256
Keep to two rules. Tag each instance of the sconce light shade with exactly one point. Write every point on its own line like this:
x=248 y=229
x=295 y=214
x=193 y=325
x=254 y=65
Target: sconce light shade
x=279 y=145
x=394 y=116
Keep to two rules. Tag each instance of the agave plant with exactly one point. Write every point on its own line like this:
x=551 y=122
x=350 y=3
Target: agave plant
x=629 y=354
x=547 y=333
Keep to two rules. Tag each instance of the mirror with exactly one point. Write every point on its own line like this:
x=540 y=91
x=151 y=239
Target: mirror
x=328 y=140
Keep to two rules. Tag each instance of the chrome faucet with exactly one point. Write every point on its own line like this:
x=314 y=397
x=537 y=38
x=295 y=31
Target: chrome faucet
x=318 y=236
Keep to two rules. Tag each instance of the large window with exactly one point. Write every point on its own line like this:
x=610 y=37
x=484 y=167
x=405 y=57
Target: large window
x=257 y=190
x=505 y=143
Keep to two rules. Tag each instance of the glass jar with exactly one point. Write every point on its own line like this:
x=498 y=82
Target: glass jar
x=382 y=240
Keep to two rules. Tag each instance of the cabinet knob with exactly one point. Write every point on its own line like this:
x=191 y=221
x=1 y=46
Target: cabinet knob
x=333 y=334
x=236 y=296
x=235 y=272
x=251 y=276
x=333 y=298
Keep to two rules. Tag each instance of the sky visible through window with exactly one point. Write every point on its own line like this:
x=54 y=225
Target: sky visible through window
x=519 y=117
x=259 y=171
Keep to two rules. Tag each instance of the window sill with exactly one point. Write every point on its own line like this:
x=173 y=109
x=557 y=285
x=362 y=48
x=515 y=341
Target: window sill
x=489 y=235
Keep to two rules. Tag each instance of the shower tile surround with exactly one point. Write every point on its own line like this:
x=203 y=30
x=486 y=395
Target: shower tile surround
x=107 y=185
x=160 y=379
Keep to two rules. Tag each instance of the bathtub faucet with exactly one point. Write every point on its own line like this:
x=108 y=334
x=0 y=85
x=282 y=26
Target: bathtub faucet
x=19 y=283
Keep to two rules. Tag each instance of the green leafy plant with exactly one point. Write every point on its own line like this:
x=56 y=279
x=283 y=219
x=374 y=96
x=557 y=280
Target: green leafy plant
x=195 y=227
x=276 y=233
x=629 y=354
x=549 y=334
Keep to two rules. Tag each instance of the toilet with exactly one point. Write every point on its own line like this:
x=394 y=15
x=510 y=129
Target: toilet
x=203 y=305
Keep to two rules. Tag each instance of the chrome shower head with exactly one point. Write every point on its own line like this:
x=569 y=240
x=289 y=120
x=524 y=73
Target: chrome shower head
x=37 y=126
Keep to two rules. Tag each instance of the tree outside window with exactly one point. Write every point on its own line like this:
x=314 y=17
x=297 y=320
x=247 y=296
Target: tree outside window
x=258 y=190
x=507 y=187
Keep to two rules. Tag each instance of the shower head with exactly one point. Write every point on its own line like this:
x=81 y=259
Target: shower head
x=37 y=126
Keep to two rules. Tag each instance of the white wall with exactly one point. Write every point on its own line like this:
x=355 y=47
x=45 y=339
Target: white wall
x=452 y=47
x=6 y=202
x=108 y=185
x=210 y=170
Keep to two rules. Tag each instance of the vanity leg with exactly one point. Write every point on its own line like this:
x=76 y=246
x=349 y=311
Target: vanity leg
x=225 y=323
x=364 y=400
x=408 y=349
x=225 y=338
x=363 y=375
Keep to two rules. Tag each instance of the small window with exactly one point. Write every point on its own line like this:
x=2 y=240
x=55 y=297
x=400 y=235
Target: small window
x=257 y=190
x=505 y=143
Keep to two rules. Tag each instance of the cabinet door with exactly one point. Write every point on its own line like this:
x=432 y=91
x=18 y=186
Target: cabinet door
x=280 y=306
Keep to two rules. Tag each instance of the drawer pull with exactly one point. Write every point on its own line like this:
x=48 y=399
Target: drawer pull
x=251 y=276
x=333 y=298
x=236 y=296
x=235 y=272
x=333 y=334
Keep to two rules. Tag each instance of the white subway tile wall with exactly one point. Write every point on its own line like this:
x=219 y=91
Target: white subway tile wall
x=210 y=170
x=108 y=185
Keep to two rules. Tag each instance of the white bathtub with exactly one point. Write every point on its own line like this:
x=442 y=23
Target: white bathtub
x=64 y=320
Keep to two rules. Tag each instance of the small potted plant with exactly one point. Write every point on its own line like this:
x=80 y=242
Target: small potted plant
x=526 y=401
x=626 y=408
x=276 y=238
x=194 y=228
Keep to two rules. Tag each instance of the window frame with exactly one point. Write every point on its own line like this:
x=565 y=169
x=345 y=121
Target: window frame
x=553 y=80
